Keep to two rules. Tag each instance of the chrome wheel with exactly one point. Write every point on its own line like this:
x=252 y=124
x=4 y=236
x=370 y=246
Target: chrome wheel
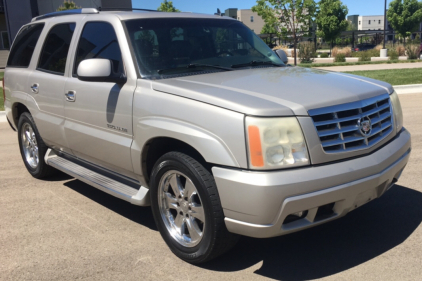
x=30 y=146
x=181 y=208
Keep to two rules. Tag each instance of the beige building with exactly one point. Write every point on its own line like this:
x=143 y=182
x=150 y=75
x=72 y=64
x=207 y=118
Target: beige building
x=251 y=20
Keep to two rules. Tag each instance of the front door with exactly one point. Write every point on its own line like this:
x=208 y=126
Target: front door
x=99 y=114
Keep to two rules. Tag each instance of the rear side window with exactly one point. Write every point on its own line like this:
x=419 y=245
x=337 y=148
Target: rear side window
x=56 y=47
x=98 y=40
x=24 y=45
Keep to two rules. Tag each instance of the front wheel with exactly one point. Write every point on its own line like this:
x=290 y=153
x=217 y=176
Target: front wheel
x=187 y=209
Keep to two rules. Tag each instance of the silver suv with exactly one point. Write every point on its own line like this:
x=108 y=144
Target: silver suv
x=197 y=117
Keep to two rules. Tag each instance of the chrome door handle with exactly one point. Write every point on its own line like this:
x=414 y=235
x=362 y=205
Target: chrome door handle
x=34 y=88
x=70 y=96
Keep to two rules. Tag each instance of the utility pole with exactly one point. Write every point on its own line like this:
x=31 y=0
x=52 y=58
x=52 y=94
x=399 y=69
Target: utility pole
x=294 y=30
x=383 y=52
x=385 y=20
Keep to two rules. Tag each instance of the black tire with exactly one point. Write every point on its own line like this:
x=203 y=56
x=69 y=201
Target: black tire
x=216 y=239
x=42 y=170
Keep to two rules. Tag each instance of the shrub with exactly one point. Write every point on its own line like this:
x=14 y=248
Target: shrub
x=379 y=47
x=323 y=55
x=374 y=53
x=347 y=51
x=306 y=52
x=280 y=47
x=334 y=52
x=401 y=50
x=340 y=58
x=412 y=51
x=393 y=54
x=365 y=56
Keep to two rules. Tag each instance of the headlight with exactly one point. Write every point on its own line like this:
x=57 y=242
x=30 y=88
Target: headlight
x=275 y=143
x=398 y=113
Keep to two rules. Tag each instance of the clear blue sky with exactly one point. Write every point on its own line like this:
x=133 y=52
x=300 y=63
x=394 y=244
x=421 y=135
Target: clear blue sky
x=356 y=7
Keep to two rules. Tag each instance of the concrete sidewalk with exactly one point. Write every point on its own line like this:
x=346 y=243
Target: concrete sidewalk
x=372 y=67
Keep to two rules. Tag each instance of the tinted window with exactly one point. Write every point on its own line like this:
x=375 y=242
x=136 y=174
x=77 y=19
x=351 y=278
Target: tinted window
x=24 y=45
x=56 y=47
x=98 y=40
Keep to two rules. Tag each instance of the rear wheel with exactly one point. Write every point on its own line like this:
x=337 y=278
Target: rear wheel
x=32 y=148
x=187 y=209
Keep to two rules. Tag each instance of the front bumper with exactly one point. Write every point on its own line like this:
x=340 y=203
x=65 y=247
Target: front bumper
x=256 y=204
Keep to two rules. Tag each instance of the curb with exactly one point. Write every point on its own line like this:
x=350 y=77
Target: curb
x=408 y=89
x=3 y=116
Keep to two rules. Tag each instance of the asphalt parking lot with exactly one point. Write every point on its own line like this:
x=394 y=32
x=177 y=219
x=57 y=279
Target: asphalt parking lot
x=63 y=229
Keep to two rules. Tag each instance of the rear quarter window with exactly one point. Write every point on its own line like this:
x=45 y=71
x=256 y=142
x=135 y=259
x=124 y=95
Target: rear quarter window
x=24 y=45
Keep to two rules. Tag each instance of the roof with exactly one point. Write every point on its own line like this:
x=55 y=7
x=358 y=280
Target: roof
x=127 y=15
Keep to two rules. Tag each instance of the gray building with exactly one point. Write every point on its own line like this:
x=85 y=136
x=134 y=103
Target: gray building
x=15 y=13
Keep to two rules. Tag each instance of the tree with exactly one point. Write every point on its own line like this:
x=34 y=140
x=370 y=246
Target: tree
x=167 y=6
x=404 y=16
x=269 y=29
x=331 y=19
x=68 y=5
x=291 y=17
x=351 y=26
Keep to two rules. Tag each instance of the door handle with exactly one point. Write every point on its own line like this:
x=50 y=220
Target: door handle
x=34 y=88
x=70 y=96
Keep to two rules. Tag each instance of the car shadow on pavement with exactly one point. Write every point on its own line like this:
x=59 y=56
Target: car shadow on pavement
x=331 y=248
x=141 y=215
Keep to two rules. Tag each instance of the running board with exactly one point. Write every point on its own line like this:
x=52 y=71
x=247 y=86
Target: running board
x=137 y=197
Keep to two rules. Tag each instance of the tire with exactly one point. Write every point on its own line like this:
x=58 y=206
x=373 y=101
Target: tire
x=203 y=234
x=32 y=148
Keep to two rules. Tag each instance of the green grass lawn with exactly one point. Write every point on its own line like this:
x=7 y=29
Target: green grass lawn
x=1 y=100
x=394 y=76
x=355 y=63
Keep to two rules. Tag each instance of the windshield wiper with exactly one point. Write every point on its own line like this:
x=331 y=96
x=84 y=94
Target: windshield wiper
x=255 y=63
x=194 y=65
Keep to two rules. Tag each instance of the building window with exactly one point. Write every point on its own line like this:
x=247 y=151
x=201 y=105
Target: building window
x=379 y=21
x=369 y=22
x=359 y=23
x=5 y=40
x=251 y=18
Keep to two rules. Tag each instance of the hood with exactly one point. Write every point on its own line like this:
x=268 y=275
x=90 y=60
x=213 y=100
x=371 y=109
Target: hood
x=277 y=91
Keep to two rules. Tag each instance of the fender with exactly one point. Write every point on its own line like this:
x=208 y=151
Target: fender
x=211 y=147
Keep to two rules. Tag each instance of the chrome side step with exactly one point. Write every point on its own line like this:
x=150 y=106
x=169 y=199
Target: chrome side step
x=137 y=197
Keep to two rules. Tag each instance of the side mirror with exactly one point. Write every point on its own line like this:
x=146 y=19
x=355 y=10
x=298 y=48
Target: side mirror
x=99 y=70
x=282 y=55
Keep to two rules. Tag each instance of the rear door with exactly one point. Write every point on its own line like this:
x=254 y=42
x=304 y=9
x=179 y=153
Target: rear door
x=46 y=83
x=99 y=114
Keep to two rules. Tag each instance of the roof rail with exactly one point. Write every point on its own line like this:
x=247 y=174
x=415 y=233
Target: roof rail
x=67 y=12
x=126 y=9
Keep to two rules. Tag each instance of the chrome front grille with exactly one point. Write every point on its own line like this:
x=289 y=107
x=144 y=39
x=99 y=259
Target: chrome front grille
x=354 y=126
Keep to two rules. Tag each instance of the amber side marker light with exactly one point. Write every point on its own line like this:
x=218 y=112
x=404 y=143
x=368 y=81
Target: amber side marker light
x=255 y=148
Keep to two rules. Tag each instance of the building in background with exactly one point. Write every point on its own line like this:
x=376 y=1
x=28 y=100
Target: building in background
x=251 y=20
x=15 y=13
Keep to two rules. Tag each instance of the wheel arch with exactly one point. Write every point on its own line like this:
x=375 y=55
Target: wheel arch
x=17 y=109
x=158 y=146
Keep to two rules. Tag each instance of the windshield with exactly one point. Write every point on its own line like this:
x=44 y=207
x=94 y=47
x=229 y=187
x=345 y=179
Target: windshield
x=184 y=46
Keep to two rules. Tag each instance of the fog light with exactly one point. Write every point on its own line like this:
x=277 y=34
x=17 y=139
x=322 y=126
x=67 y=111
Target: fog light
x=295 y=217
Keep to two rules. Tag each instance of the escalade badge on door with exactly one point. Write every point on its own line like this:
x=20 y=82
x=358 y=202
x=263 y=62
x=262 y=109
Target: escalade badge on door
x=365 y=126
